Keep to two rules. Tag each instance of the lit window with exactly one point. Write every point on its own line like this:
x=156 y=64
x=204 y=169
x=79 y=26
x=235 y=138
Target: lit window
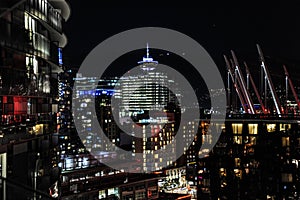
x=237 y=128
x=285 y=177
x=271 y=127
x=237 y=139
x=285 y=127
x=285 y=141
x=253 y=128
x=237 y=162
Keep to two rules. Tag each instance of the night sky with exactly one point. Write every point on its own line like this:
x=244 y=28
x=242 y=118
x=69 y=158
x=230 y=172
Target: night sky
x=217 y=29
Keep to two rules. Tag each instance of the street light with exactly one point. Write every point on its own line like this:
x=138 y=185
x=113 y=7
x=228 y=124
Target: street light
x=37 y=162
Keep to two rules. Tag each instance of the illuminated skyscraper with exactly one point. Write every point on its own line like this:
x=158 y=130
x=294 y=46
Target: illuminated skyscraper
x=145 y=112
x=143 y=123
x=102 y=95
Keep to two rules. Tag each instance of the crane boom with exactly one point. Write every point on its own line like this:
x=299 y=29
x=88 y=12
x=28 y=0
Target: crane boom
x=255 y=88
x=292 y=86
x=235 y=84
x=243 y=84
x=269 y=81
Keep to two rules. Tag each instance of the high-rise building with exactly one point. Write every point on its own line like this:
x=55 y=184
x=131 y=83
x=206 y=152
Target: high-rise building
x=102 y=95
x=68 y=140
x=146 y=113
x=31 y=43
x=148 y=110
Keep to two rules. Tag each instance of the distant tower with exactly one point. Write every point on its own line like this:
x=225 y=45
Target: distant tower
x=147 y=59
x=145 y=111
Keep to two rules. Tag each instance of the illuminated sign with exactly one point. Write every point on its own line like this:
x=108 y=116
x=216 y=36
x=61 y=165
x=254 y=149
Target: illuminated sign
x=60 y=60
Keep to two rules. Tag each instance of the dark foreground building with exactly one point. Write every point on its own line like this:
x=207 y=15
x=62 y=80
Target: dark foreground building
x=256 y=157
x=31 y=42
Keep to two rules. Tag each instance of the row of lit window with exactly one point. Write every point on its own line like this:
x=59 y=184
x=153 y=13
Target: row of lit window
x=253 y=128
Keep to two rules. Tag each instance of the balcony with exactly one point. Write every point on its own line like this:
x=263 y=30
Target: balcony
x=18 y=38
x=63 y=6
x=45 y=12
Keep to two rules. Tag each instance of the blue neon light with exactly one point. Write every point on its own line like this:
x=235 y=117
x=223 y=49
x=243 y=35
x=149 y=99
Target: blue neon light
x=98 y=92
x=60 y=60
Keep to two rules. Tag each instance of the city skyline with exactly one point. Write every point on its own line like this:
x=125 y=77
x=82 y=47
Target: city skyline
x=157 y=123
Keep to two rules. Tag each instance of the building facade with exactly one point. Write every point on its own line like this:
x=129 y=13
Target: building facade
x=31 y=43
x=254 y=158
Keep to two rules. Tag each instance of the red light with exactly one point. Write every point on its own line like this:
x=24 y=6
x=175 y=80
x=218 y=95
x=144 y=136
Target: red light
x=149 y=193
